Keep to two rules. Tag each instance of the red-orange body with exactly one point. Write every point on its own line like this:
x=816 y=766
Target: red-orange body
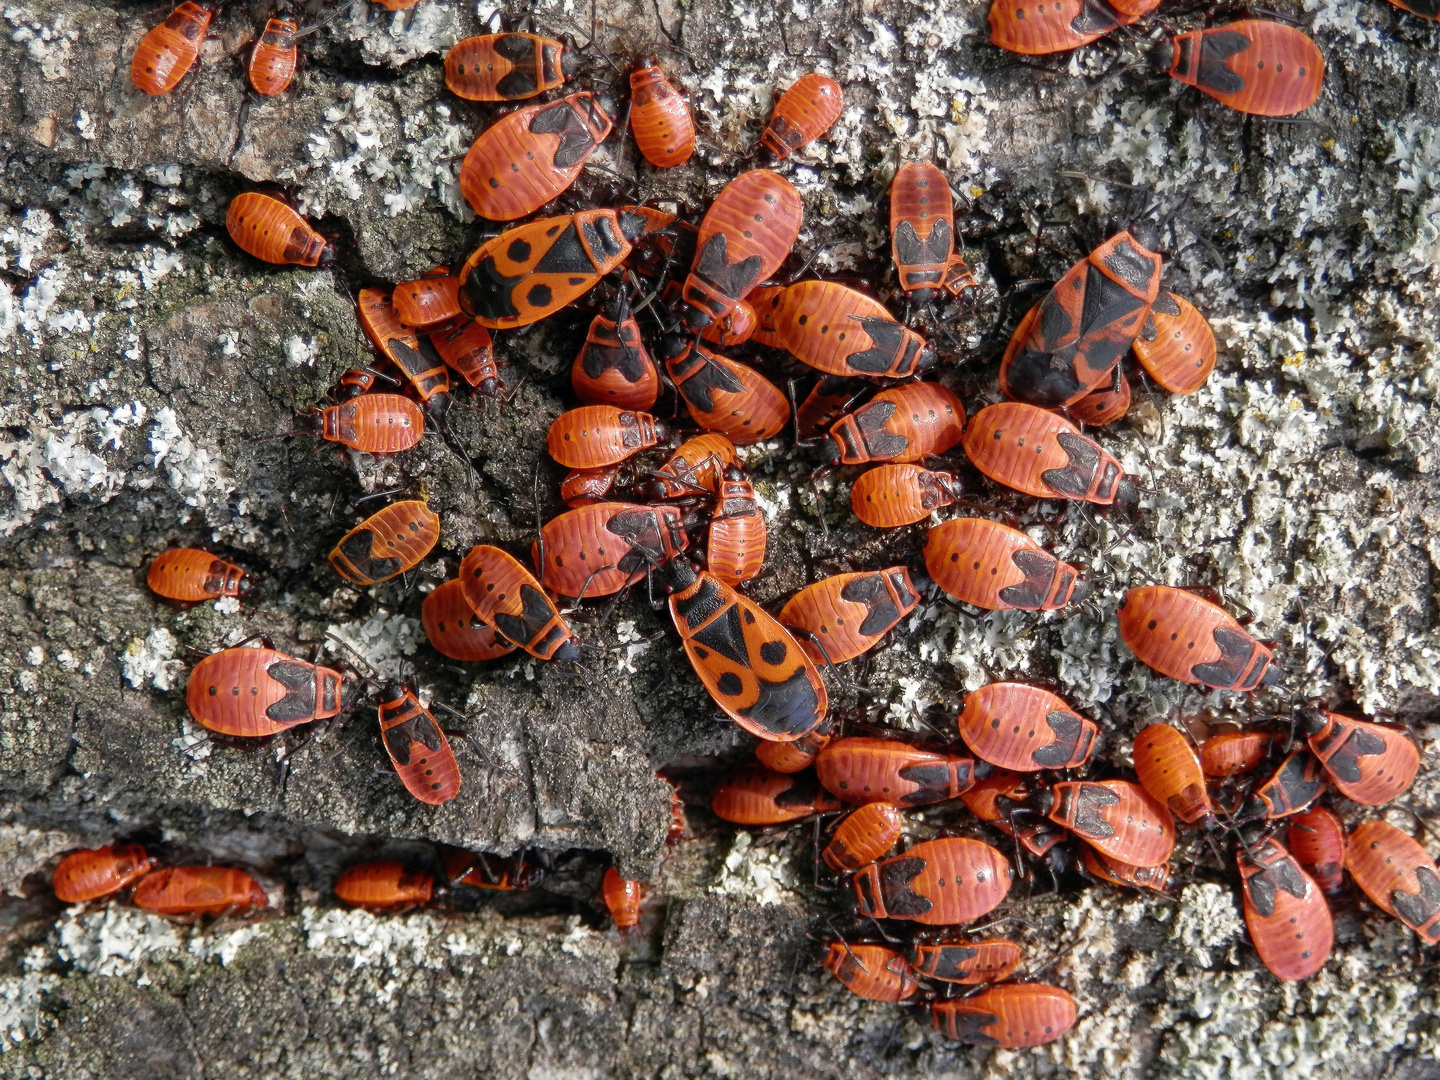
x=1031 y=29
x=660 y=119
x=696 y=466
x=863 y=835
x=263 y=226
x=792 y=757
x=1254 y=66
x=599 y=549
x=1169 y=769
x=859 y=769
x=515 y=873
x=456 y=631
x=272 y=60
x=583 y=487
x=735 y=545
x=922 y=229
x=735 y=328
x=1002 y=799
x=423 y=368
x=613 y=367
x=841 y=331
x=1285 y=912
x=418 y=749
x=199 y=890
x=1115 y=817
x=1152 y=878
x=255 y=692
x=1176 y=347
x=594 y=436
x=963 y=961
x=1398 y=876
x=1043 y=454
x=168 y=51
x=384 y=883
x=1317 y=840
x=190 y=575
x=1011 y=1016
x=1186 y=637
x=506 y=596
x=1296 y=784
x=873 y=972
x=1025 y=728
x=723 y=396
x=828 y=400
x=905 y=423
x=89 y=875
x=622 y=896
x=1103 y=405
x=430 y=302
x=1367 y=763
x=470 y=352
x=935 y=883
x=992 y=566
x=507 y=67
x=371 y=423
x=803 y=113
x=889 y=496
x=1231 y=753
x=841 y=617
x=387 y=543
x=753 y=795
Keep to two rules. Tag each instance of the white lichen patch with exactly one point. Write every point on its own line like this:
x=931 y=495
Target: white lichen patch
x=760 y=875
x=21 y=1017
x=383 y=641
x=194 y=471
x=113 y=940
x=151 y=661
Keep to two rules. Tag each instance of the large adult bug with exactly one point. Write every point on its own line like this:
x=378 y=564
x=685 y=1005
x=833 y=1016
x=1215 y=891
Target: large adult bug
x=995 y=567
x=1285 y=912
x=503 y=594
x=1025 y=728
x=1186 y=637
x=1253 y=66
x=935 y=883
x=508 y=67
x=417 y=747
x=1010 y=1016
x=1043 y=454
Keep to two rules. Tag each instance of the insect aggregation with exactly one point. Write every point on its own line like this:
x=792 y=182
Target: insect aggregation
x=669 y=295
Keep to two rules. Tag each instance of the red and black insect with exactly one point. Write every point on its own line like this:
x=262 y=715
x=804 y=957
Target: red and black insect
x=613 y=367
x=1115 y=817
x=370 y=423
x=735 y=328
x=167 y=52
x=890 y=496
x=842 y=617
x=1367 y=763
x=1426 y=9
x=843 y=332
x=660 y=119
x=1105 y=404
x=387 y=543
x=1169 y=769
x=1186 y=637
x=935 y=883
x=696 y=466
x=89 y=875
x=599 y=549
x=905 y=423
x=1254 y=66
x=997 y=568
x=595 y=436
x=1285 y=912
x=754 y=795
x=1043 y=454
x=189 y=575
x=860 y=769
x=1069 y=343
x=963 y=960
x=1176 y=347
x=873 y=972
x=623 y=898
x=583 y=487
x=517 y=873
x=256 y=692
x=792 y=757
x=417 y=747
x=529 y=156
x=922 y=233
x=804 y=113
x=1002 y=799
x=1398 y=876
x=827 y=401
x=455 y=630
x=400 y=345
x=265 y=226
x=428 y=303
x=272 y=60
x=506 y=596
x=199 y=890
x=508 y=67
x=744 y=237
x=1317 y=840
x=735 y=544
x=1231 y=753
x=863 y=835
x=723 y=396
x=1148 y=878
x=470 y=352
x=1025 y=728
x=1296 y=784
x=1010 y=1016
x=1031 y=29
x=384 y=883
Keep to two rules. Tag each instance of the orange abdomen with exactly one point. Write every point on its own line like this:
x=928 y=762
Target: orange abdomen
x=1031 y=29
x=1103 y=405
x=735 y=544
x=804 y=113
x=375 y=423
x=727 y=398
x=401 y=345
x=865 y=834
x=1230 y=753
x=859 y=769
x=1169 y=769
x=969 y=963
x=470 y=352
x=594 y=436
x=1188 y=638
x=384 y=883
x=1253 y=66
x=1368 y=763
x=1117 y=818
x=506 y=67
x=904 y=424
x=840 y=331
x=1152 y=878
x=506 y=596
x=935 y=883
x=696 y=466
x=263 y=226
x=922 y=228
x=599 y=549
x=841 y=617
x=418 y=748
x=1025 y=728
x=426 y=302
x=1398 y=876
x=456 y=631
x=1285 y=912
x=1042 y=454
x=167 y=52
x=890 y=496
x=272 y=61
x=254 y=692
x=387 y=543
x=754 y=795
x=190 y=575
x=792 y=757
x=735 y=328
x=873 y=972
x=1317 y=840
x=995 y=567
x=89 y=875
x=622 y=896
x=1011 y=1016
x=582 y=487
x=199 y=890
x=613 y=367
x=659 y=118
x=826 y=402
x=1176 y=347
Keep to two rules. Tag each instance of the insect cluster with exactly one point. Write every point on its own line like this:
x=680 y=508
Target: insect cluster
x=670 y=294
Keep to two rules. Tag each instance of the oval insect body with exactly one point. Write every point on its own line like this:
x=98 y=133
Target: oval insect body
x=863 y=835
x=535 y=269
x=1115 y=817
x=889 y=496
x=744 y=237
x=1011 y=1016
x=724 y=397
x=1230 y=753
x=1068 y=343
x=272 y=60
x=168 y=51
x=1025 y=728
x=1151 y=878
x=424 y=370
x=1367 y=763
x=735 y=545
x=198 y=890
x=503 y=594
x=735 y=328
x=1105 y=404
x=263 y=226
x=696 y=465
x=387 y=543
x=1317 y=840
x=1188 y=638
x=255 y=692
x=1285 y=912
x=470 y=353
x=600 y=549
x=751 y=665
x=583 y=487
x=1254 y=66
x=922 y=229
x=826 y=402
x=456 y=631
x=935 y=883
x=429 y=302
x=595 y=436
x=659 y=117
x=1001 y=799
x=840 y=331
x=613 y=367
x=384 y=883
x=1169 y=770
x=792 y=757
x=1043 y=454
x=1022 y=26
x=804 y=113
x=622 y=896
x=844 y=616
x=373 y=423
x=1176 y=347
x=859 y=769
x=873 y=972
x=507 y=67
x=1398 y=876
x=995 y=567
x=754 y=795
x=89 y=875
x=190 y=575
x=528 y=157
x=903 y=424
x=1296 y=784
x=963 y=961
x=418 y=749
